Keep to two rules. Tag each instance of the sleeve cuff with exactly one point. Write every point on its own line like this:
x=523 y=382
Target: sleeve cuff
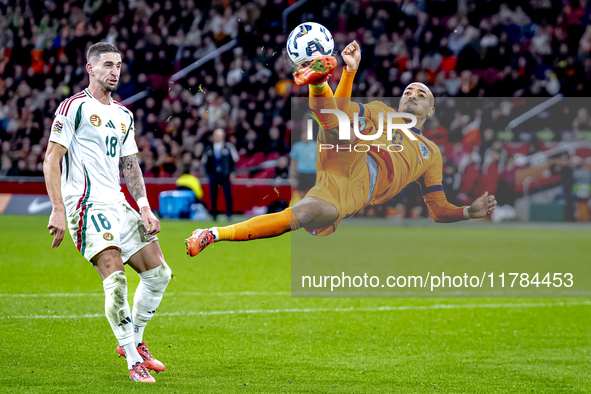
x=142 y=202
x=466 y=214
x=345 y=71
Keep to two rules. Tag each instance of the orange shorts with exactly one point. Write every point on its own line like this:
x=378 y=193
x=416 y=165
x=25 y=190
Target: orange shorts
x=345 y=180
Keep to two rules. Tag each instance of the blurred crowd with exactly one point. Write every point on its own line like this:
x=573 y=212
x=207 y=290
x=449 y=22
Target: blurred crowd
x=470 y=49
x=481 y=155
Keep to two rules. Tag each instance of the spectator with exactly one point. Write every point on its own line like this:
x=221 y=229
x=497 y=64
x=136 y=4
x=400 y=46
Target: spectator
x=580 y=189
x=275 y=143
x=435 y=132
x=451 y=181
x=219 y=160
x=282 y=168
x=20 y=170
x=6 y=158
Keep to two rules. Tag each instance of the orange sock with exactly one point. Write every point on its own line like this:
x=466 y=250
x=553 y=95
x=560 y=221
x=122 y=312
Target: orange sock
x=321 y=97
x=265 y=226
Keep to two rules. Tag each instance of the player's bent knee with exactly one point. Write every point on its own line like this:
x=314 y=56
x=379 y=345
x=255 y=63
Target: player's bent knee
x=164 y=274
x=315 y=214
x=158 y=278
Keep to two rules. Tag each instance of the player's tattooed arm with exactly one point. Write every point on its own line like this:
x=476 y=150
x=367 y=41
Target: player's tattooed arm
x=137 y=189
x=133 y=176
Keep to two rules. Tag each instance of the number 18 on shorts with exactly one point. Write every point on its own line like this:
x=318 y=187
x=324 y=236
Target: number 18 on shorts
x=95 y=227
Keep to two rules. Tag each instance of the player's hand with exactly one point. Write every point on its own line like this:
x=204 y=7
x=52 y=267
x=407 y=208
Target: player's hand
x=152 y=224
x=352 y=56
x=483 y=206
x=57 y=227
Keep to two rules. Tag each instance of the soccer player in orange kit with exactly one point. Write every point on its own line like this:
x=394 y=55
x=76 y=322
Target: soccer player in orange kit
x=349 y=179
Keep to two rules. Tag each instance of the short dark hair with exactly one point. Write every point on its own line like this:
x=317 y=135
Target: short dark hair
x=94 y=51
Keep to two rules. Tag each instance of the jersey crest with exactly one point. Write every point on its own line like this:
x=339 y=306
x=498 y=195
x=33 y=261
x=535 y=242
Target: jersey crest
x=95 y=120
x=424 y=151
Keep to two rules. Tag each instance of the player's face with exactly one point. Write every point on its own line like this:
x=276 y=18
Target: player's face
x=417 y=99
x=107 y=70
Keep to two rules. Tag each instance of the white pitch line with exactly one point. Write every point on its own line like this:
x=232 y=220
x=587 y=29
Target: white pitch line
x=318 y=310
x=187 y=293
x=316 y=294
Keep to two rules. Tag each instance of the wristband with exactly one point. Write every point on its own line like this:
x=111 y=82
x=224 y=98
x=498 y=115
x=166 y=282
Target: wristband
x=466 y=214
x=143 y=202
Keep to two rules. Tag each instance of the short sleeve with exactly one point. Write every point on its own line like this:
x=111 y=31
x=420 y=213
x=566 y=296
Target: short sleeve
x=63 y=126
x=431 y=181
x=294 y=151
x=129 y=146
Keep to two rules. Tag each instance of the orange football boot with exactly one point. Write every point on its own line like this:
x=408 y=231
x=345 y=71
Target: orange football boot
x=139 y=373
x=316 y=72
x=149 y=361
x=198 y=241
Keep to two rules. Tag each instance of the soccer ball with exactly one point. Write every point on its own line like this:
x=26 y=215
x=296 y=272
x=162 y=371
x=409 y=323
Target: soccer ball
x=309 y=41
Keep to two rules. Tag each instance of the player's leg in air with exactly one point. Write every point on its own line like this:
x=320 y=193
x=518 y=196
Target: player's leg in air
x=311 y=212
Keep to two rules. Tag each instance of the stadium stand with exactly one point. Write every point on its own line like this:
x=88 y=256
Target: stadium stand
x=472 y=50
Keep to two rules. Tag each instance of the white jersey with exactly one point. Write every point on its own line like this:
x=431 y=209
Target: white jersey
x=96 y=136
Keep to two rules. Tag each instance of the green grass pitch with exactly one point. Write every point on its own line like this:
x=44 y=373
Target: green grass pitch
x=227 y=324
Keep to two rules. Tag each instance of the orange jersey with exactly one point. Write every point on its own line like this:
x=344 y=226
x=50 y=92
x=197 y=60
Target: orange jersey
x=405 y=162
x=350 y=179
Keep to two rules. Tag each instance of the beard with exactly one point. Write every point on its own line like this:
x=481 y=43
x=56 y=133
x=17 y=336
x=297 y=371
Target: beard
x=406 y=107
x=106 y=87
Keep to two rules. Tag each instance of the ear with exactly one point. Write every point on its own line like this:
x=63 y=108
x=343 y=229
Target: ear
x=431 y=112
x=89 y=68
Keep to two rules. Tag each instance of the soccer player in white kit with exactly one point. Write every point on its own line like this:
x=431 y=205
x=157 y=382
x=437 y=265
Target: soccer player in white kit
x=91 y=135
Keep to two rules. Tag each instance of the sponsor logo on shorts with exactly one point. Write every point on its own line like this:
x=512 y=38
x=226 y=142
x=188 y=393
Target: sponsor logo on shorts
x=95 y=120
x=57 y=127
x=108 y=236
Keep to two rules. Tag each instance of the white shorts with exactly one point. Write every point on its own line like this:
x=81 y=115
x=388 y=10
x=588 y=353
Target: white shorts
x=95 y=227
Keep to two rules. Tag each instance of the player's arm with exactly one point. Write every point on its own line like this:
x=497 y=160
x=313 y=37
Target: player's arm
x=137 y=189
x=352 y=57
x=51 y=171
x=440 y=210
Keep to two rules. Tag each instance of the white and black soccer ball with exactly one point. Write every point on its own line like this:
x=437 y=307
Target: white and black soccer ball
x=309 y=41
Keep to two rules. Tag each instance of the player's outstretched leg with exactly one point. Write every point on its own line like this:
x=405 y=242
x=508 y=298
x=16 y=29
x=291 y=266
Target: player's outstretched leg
x=109 y=265
x=310 y=212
